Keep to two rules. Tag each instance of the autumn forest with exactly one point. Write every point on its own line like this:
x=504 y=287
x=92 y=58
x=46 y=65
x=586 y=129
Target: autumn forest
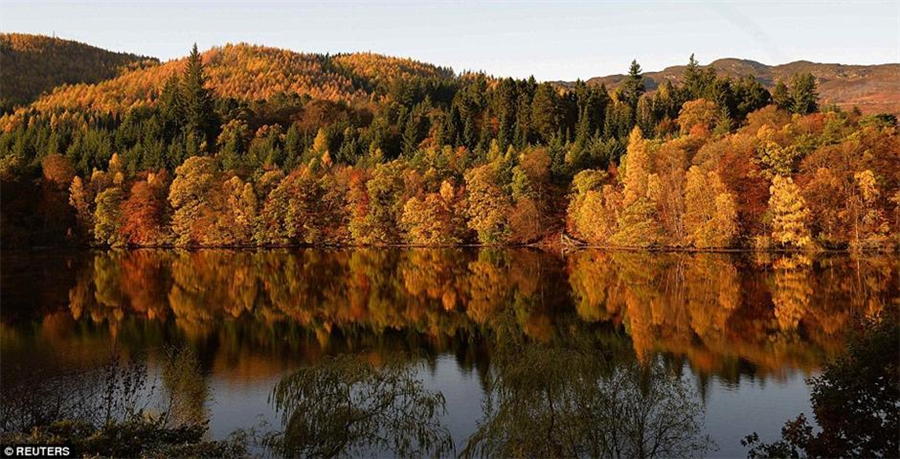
x=251 y=146
x=255 y=251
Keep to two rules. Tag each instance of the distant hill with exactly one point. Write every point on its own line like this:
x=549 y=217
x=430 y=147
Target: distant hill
x=78 y=76
x=873 y=88
x=252 y=72
x=380 y=70
x=34 y=64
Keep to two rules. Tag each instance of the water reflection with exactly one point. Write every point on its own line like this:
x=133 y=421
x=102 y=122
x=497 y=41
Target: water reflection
x=116 y=409
x=767 y=310
x=542 y=401
x=345 y=406
x=571 y=401
x=855 y=402
x=566 y=339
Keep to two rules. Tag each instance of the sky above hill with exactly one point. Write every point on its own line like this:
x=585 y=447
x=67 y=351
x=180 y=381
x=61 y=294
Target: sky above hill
x=550 y=40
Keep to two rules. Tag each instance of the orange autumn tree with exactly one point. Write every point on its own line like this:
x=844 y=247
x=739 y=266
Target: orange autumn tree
x=366 y=142
x=697 y=117
x=145 y=212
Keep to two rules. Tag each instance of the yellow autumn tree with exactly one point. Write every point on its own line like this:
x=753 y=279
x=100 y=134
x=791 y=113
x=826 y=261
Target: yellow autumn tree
x=637 y=165
x=81 y=199
x=108 y=217
x=870 y=227
x=710 y=216
x=194 y=219
x=241 y=207
x=583 y=184
x=488 y=206
x=593 y=207
x=697 y=116
x=320 y=143
x=435 y=219
x=789 y=213
x=637 y=225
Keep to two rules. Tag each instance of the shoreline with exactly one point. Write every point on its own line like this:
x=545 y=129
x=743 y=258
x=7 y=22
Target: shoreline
x=542 y=247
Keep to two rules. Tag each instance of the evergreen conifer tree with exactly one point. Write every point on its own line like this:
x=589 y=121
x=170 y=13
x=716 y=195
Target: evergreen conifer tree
x=199 y=112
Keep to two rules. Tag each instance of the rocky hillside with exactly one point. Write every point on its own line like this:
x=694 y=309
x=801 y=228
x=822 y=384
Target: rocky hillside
x=872 y=88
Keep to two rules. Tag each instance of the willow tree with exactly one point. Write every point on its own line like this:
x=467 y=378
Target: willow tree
x=558 y=401
x=346 y=406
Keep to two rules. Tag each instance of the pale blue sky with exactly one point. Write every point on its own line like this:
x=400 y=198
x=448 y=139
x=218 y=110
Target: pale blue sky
x=551 y=40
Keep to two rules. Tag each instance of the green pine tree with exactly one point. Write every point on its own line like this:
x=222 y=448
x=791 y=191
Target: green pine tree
x=199 y=112
x=632 y=87
x=780 y=95
x=803 y=96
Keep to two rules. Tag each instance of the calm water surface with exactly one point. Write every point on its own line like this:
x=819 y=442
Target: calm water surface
x=742 y=331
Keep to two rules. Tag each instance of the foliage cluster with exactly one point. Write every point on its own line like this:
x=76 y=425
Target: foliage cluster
x=392 y=151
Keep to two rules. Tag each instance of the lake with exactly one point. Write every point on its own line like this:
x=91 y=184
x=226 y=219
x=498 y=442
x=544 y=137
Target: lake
x=511 y=342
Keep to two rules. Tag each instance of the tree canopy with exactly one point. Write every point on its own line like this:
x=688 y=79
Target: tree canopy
x=367 y=149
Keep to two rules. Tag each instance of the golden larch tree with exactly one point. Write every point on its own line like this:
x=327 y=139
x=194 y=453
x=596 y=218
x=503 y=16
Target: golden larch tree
x=789 y=213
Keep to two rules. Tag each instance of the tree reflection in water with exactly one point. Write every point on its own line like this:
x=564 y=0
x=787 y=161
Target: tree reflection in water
x=345 y=406
x=260 y=313
x=855 y=402
x=543 y=401
x=573 y=400
x=717 y=310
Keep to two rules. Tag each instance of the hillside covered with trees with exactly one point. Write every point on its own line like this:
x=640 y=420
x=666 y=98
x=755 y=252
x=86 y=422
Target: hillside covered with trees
x=247 y=145
x=36 y=64
x=249 y=73
x=872 y=88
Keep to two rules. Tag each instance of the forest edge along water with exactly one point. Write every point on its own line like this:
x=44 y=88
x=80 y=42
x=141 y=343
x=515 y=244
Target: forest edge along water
x=265 y=251
x=472 y=352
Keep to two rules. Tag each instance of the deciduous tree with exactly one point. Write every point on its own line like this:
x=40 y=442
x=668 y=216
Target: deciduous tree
x=789 y=214
x=710 y=218
x=195 y=205
x=488 y=206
